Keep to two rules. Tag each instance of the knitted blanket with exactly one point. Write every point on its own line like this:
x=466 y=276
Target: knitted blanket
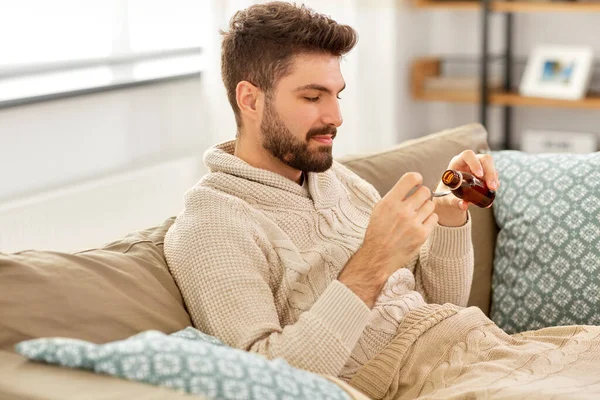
x=445 y=352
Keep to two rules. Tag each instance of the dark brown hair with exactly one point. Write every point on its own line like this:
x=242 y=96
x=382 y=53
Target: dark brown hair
x=263 y=39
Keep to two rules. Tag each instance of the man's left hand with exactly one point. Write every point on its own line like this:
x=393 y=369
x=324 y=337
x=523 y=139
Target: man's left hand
x=452 y=210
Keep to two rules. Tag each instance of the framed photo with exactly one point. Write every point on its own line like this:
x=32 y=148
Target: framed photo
x=557 y=72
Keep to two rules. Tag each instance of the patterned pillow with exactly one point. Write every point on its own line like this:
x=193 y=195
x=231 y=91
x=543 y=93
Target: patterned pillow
x=189 y=361
x=547 y=261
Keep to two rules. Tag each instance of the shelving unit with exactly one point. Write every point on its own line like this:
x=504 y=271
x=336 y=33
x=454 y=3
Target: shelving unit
x=429 y=67
x=510 y=6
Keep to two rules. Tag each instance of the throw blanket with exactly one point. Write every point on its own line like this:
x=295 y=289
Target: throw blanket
x=446 y=352
x=190 y=361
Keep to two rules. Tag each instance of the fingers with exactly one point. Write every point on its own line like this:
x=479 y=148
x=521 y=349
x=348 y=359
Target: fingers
x=418 y=195
x=455 y=202
x=472 y=161
x=481 y=165
x=491 y=175
x=415 y=197
x=404 y=188
x=425 y=211
x=430 y=222
x=463 y=205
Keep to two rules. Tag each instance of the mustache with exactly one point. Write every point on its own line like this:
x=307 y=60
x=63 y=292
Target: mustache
x=326 y=130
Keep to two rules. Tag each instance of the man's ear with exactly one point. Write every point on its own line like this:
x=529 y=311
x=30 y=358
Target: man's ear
x=247 y=96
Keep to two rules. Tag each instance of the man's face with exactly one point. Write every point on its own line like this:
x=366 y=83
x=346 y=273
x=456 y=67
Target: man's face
x=302 y=113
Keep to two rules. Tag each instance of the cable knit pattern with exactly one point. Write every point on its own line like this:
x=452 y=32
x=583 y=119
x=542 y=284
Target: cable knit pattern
x=257 y=256
x=444 y=352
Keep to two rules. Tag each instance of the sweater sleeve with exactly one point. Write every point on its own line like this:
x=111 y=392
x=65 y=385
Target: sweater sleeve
x=444 y=269
x=226 y=279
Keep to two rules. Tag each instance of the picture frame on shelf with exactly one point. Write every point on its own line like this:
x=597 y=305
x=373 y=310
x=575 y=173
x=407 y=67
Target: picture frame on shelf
x=557 y=72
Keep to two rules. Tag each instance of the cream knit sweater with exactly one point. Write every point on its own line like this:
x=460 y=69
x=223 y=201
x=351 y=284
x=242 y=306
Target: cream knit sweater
x=257 y=256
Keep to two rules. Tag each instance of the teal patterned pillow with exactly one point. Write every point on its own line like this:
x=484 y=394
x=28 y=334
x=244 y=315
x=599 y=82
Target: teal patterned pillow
x=189 y=361
x=547 y=261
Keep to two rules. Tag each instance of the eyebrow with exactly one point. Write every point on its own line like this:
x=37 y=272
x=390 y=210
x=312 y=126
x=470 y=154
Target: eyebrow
x=321 y=88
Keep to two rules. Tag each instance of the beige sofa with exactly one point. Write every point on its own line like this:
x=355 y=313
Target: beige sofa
x=123 y=288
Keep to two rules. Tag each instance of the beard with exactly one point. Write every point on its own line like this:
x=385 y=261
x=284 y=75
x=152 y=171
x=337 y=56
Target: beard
x=283 y=145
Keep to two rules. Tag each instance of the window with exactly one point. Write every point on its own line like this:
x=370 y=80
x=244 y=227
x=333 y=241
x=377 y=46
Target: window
x=58 y=36
x=36 y=32
x=42 y=31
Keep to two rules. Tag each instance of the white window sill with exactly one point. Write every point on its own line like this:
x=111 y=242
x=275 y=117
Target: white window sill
x=61 y=82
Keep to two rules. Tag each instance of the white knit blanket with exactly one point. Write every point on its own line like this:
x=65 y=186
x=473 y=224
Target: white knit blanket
x=445 y=352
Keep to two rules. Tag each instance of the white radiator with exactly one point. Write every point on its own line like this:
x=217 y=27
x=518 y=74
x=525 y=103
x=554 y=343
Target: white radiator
x=90 y=214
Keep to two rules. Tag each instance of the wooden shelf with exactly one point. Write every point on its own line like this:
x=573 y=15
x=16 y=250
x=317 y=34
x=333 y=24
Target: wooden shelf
x=528 y=6
x=511 y=6
x=430 y=67
x=454 y=5
x=591 y=102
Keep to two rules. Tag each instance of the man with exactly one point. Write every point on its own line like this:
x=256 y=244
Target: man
x=282 y=251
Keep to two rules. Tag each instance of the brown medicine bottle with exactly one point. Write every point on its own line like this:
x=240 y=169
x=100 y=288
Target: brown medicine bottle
x=468 y=187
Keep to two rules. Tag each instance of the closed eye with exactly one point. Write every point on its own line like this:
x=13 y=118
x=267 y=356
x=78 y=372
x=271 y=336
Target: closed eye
x=315 y=99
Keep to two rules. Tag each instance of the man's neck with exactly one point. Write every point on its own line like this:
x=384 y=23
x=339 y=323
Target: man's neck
x=302 y=178
x=254 y=154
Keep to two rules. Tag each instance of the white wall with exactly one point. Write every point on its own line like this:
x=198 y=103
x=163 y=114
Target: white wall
x=82 y=171
x=412 y=40
x=89 y=214
x=47 y=145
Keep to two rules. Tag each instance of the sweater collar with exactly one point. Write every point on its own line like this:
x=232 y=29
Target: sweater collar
x=220 y=158
x=322 y=187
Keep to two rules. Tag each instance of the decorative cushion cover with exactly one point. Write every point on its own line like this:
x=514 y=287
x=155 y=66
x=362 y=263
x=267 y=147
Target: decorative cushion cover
x=547 y=261
x=189 y=361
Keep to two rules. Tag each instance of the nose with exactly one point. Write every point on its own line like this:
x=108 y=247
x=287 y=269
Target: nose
x=333 y=114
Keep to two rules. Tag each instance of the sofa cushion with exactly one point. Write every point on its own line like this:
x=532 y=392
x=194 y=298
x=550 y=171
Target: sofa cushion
x=430 y=155
x=547 y=264
x=99 y=295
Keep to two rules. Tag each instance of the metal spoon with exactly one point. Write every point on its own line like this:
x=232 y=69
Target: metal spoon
x=440 y=194
x=433 y=194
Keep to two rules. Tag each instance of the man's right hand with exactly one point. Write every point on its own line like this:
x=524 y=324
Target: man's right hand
x=398 y=228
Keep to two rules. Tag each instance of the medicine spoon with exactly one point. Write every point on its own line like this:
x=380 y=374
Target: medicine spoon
x=433 y=194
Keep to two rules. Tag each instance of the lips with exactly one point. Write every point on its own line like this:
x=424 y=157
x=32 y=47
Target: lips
x=325 y=139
